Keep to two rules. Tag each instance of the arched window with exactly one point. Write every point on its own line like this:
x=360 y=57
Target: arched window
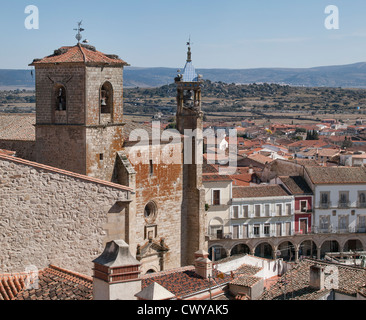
x=60 y=98
x=106 y=98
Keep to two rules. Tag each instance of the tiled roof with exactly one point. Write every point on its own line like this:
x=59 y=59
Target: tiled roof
x=260 y=158
x=184 y=283
x=247 y=281
x=334 y=175
x=296 y=185
x=17 y=127
x=297 y=280
x=260 y=191
x=53 y=283
x=79 y=54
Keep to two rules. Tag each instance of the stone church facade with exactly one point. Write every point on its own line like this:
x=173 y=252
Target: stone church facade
x=87 y=177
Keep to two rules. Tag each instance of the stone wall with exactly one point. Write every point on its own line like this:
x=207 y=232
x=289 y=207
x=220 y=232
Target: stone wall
x=51 y=217
x=164 y=188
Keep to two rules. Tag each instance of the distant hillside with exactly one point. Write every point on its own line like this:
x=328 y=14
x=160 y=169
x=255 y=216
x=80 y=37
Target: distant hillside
x=352 y=75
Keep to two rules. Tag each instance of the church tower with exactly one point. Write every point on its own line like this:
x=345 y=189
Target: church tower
x=79 y=109
x=189 y=119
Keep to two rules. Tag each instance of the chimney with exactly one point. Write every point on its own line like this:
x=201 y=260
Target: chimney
x=116 y=273
x=250 y=171
x=203 y=264
x=317 y=277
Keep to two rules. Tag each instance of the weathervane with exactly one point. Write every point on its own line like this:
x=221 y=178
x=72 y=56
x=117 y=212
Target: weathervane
x=79 y=30
x=189 y=54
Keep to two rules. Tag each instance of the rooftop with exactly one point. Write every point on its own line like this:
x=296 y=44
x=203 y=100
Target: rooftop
x=350 y=281
x=79 y=54
x=260 y=191
x=53 y=283
x=335 y=175
x=296 y=185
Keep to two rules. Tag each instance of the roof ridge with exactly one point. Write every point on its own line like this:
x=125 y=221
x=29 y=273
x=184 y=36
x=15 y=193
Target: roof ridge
x=82 y=52
x=65 y=172
x=59 y=270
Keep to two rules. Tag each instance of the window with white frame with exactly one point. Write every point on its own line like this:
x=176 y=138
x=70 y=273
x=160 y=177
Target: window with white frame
x=257 y=210
x=246 y=211
x=267 y=229
x=343 y=222
x=361 y=223
x=235 y=212
x=278 y=209
x=267 y=210
x=216 y=197
x=256 y=230
x=303 y=205
x=288 y=209
x=324 y=223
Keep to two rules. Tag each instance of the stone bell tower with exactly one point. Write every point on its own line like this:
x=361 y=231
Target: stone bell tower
x=79 y=109
x=189 y=119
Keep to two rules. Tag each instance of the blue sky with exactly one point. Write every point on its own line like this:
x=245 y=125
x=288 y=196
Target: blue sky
x=225 y=34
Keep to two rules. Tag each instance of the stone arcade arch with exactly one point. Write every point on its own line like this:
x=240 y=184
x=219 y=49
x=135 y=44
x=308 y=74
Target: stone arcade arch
x=240 y=248
x=329 y=246
x=287 y=250
x=264 y=250
x=353 y=245
x=219 y=252
x=308 y=248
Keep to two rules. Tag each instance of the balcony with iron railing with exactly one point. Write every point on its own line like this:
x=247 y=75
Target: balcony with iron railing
x=344 y=204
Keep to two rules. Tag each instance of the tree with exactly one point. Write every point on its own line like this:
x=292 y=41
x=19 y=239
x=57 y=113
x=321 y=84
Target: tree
x=312 y=135
x=347 y=143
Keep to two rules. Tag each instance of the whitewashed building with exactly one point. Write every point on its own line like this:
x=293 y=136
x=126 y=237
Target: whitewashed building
x=261 y=211
x=339 y=198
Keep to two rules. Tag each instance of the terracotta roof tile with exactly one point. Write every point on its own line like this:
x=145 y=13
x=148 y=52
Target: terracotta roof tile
x=17 y=127
x=53 y=283
x=296 y=185
x=79 y=54
x=350 y=281
x=260 y=191
x=183 y=283
x=334 y=175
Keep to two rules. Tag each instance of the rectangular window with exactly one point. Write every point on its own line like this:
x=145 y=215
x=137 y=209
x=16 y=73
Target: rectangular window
x=267 y=210
x=216 y=197
x=256 y=230
x=324 y=200
x=246 y=211
x=362 y=199
x=257 y=209
x=303 y=205
x=343 y=222
x=343 y=199
x=361 y=224
x=267 y=229
x=236 y=232
x=235 y=212
x=151 y=167
x=278 y=209
x=324 y=223
x=288 y=228
x=245 y=230
x=288 y=209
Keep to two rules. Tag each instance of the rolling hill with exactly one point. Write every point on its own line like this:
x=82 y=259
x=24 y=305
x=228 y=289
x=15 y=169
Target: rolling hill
x=352 y=76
